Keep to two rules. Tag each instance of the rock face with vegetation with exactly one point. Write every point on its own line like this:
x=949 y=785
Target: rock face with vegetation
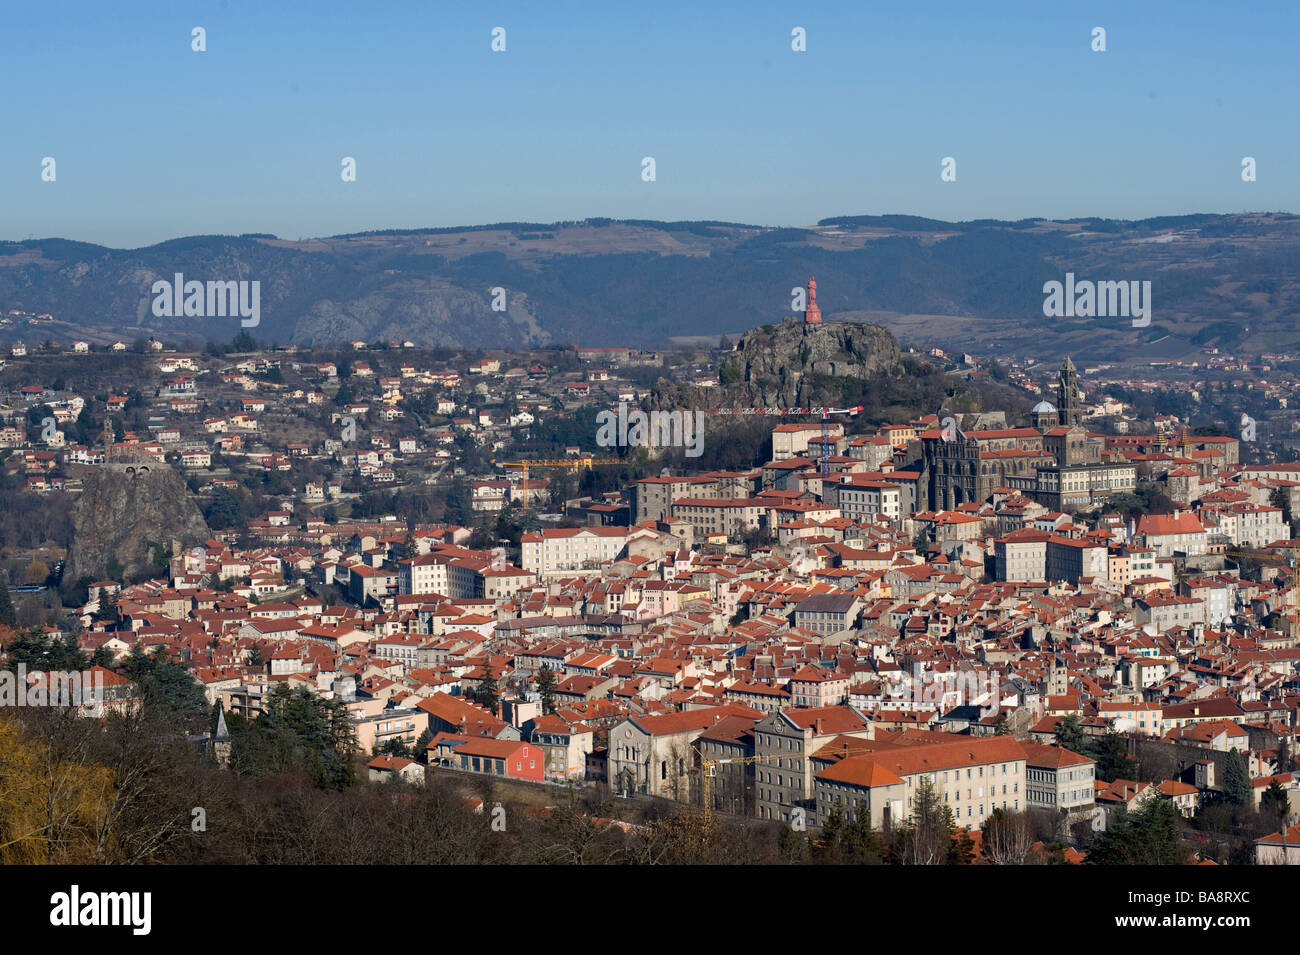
x=131 y=518
x=780 y=364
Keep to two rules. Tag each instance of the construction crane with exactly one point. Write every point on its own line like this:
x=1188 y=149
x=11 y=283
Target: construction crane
x=1270 y=557
x=799 y=412
x=707 y=767
x=585 y=462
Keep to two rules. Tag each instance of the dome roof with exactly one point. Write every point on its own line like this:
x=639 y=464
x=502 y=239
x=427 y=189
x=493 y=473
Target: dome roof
x=1043 y=406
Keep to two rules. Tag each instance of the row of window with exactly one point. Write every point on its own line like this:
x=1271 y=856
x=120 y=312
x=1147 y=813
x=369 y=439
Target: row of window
x=1048 y=796
x=1048 y=776
x=497 y=766
x=969 y=770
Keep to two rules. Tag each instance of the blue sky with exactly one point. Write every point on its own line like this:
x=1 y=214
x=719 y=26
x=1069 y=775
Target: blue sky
x=154 y=141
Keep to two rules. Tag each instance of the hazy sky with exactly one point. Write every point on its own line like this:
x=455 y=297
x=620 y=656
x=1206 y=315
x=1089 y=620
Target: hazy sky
x=153 y=140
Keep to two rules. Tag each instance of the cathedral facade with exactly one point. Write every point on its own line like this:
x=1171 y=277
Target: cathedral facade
x=1055 y=462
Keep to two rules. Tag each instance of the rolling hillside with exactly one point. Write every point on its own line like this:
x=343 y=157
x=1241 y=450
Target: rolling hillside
x=1225 y=281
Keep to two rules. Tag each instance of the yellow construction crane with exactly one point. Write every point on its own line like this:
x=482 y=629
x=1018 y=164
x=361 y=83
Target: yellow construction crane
x=707 y=767
x=585 y=462
x=1264 y=556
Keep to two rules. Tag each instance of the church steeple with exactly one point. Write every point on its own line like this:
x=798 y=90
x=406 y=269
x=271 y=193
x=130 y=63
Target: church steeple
x=1068 y=399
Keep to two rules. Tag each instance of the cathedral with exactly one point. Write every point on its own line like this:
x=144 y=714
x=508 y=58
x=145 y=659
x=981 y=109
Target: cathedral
x=1054 y=461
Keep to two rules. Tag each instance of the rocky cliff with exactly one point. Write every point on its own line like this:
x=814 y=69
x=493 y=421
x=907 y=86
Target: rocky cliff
x=780 y=364
x=121 y=514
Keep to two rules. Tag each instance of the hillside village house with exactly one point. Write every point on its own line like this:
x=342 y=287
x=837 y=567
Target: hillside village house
x=565 y=747
x=972 y=776
x=1168 y=534
x=382 y=768
x=513 y=759
x=827 y=613
x=1279 y=848
x=559 y=550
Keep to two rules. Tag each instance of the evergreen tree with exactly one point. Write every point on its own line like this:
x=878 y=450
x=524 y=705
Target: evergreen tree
x=793 y=846
x=847 y=841
x=926 y=838
x=420 y=748
x=8 y=616
x=457 y=509
x=42 y=654
x=108 y=611
x=1236 y=780
x=1149 y=835
x=860 y=841
x=1113 y=761
x=546 y=687
x=961 y=849
x=1275 y=804
x=223 y=510
x=168 y=688
x=298 y=731
x=1069 y=734
x=828 y=845
x=391 y=747
x=487 y=693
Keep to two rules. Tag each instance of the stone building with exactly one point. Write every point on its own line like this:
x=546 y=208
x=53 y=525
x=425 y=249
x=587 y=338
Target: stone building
x=1055 y=462
x=1069 y=398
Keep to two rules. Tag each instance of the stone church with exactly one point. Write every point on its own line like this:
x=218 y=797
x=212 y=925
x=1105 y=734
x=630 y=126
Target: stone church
x=1054 y=461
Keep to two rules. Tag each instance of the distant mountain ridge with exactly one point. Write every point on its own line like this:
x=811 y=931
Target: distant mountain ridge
x=1226 y=281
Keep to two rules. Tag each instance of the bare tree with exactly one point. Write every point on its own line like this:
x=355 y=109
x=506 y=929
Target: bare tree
x=1007 y=838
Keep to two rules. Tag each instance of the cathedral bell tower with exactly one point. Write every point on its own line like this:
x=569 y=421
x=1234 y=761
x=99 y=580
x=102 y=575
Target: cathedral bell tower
x=1069 y=401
